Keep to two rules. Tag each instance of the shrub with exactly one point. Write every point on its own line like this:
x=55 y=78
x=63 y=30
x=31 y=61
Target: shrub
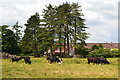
x=115 y=52
x=101 y=52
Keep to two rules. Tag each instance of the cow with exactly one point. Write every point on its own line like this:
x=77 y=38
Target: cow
x=52 y=59
x=104 y=60
x=15 y=59
x=94 y=60
x=27 y=59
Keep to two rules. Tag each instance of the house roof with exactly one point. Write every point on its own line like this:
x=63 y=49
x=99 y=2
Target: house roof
x=105 y=45
x=89 y=45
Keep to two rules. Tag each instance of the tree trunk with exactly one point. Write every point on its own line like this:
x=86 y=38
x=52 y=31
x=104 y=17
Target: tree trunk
x=68 y=49
x=60 y=43
x=36 y=53
x=75 y=37
x=65 y=41
x=51 y=50
x=64 y=45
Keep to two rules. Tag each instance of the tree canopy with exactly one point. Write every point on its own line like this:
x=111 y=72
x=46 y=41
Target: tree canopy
x=9 y=41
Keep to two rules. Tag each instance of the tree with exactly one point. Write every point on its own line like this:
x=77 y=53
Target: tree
x=67 y=23
x=44 y=39
x=9 y=42
x=78 y=26
x=50 y=24
x=31 y=33
x=94 y=47
x=17 y=30
x=100 y=46
x=83 y=52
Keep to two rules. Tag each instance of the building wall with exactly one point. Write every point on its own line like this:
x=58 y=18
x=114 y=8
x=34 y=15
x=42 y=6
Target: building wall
x=105 y=45
x=89 y=45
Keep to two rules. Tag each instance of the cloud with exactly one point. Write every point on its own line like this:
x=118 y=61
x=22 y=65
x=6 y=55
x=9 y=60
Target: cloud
x=20 y=11
x=101 y=15
x=102 y=19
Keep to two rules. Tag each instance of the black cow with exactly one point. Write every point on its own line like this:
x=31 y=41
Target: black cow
x=15 y=59
x=104 y=60
x=27 y=59
x=94 y=60
x=52 y=59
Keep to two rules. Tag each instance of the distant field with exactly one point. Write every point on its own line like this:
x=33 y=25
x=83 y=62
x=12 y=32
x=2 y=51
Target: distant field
x=71 y=68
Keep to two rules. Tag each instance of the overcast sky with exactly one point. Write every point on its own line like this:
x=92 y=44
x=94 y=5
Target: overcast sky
x=101 y=15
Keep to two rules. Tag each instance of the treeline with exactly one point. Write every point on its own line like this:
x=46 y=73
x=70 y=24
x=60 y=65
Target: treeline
x=58 y=26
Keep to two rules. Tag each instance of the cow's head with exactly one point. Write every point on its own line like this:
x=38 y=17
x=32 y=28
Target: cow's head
x=107 y=62
x=60 y=61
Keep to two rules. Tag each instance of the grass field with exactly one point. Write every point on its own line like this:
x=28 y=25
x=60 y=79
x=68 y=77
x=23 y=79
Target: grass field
x=71 y=68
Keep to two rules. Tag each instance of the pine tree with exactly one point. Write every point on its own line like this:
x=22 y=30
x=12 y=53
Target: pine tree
x=68 y=24
x=49 y=20
x=31 y=34
x=78 y=25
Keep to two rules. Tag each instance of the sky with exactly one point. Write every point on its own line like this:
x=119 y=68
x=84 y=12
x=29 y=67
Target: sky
x=101 y=16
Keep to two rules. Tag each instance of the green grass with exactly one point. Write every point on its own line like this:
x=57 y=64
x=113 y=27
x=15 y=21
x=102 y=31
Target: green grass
x=71 y=68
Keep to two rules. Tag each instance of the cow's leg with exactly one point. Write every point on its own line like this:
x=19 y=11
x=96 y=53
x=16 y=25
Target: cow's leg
x=100 y=64
x=29 y=62
x=17 y=60
x=26 y=62
x=97 y=63
x=94 y=63
x=50 y=62
x=88 y=62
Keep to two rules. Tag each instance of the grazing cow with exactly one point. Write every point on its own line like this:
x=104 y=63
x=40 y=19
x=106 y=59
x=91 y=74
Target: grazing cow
x=104 y=60
x=52 y=59
x=15 y=59
x=95 y=60
x=27 y=59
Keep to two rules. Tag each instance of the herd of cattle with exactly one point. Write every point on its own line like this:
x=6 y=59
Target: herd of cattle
x=94 y=60
x=51 y=59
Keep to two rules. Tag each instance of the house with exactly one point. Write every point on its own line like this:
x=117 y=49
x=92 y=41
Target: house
x=57 y=50
x=105 y=45
x=89 y=46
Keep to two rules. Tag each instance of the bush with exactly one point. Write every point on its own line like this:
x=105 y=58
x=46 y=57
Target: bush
x=82 y=52
x=115 y=52
x=101 y=52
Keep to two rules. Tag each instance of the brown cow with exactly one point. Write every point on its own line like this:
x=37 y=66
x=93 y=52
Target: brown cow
x=104 y=60
x=95 y=60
